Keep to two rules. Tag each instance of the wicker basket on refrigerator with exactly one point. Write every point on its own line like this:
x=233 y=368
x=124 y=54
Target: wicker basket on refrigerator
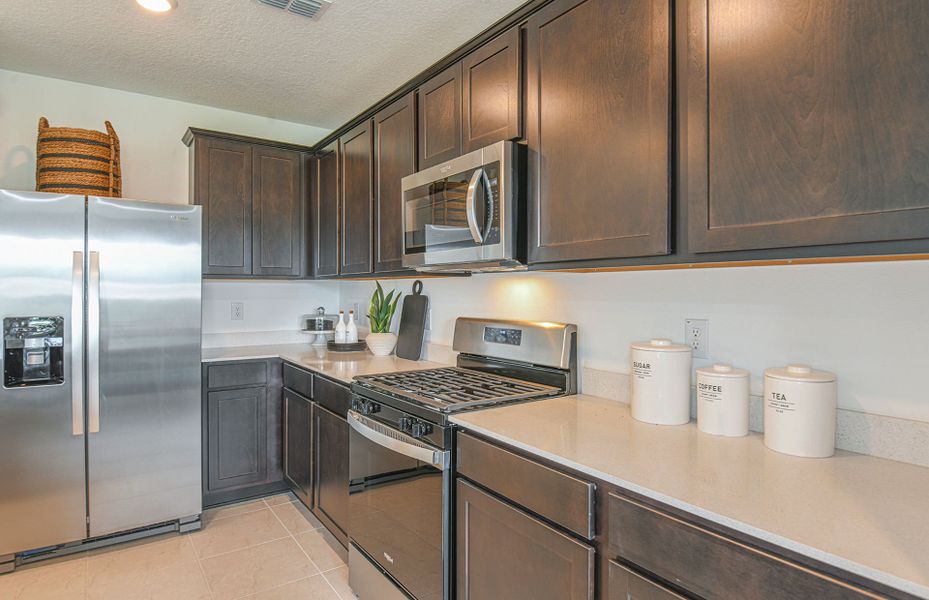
x=78 y=161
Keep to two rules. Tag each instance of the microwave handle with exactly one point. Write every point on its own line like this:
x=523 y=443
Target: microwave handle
x=470 y=203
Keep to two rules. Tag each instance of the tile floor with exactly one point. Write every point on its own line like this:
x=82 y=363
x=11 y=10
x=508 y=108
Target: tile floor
x=266 y=549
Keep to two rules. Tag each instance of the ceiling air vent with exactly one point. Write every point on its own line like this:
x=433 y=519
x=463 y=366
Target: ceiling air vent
x=312 y=9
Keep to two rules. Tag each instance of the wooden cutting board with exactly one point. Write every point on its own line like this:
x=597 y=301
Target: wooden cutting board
x=413 y=323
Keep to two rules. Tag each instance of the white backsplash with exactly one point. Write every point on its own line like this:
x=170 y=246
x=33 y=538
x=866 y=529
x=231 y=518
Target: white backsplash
x=865 y=322
x=274 y=310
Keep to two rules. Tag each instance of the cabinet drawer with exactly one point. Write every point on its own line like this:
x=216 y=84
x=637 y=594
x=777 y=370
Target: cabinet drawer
x=333 y=396
x=237 y=374
x=559 y=497
x=628 y=585
x=708 y=564
x=298 y=380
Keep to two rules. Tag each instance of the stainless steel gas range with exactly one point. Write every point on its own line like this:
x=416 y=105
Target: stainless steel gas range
x=402 y=448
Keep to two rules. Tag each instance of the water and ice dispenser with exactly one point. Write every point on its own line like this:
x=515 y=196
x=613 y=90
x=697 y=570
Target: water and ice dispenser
x=33 y=352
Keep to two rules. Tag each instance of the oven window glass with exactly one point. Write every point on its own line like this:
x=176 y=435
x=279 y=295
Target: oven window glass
x=395 y=507
x=436 y=214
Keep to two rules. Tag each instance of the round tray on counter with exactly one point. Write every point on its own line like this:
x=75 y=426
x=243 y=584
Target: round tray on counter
x=319 y=336
x=345 y=347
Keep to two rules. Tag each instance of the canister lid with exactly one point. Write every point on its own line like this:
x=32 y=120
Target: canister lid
x=661 y=345
x=723 y=370
x=800 y=373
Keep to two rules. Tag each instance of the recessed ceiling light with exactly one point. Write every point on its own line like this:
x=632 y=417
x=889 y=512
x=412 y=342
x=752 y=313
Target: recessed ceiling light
x=158 y=6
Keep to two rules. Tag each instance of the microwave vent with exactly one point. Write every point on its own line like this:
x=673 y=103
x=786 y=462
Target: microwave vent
x=311 y=9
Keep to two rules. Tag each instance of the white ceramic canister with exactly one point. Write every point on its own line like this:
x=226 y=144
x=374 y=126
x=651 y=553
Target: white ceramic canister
x=722 y=400
x=661 y=382
x=800 y=411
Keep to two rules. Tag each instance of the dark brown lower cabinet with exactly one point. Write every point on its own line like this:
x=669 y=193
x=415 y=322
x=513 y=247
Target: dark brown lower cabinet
x=330 y=472
x=708 y=564
x=503 y=552
x=626 y=584
x=238 y=427
x=242 y=425
x=298 y=445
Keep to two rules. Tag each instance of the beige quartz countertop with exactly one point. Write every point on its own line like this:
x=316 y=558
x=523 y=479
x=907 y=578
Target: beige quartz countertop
x=866 y=515
x=341 y=366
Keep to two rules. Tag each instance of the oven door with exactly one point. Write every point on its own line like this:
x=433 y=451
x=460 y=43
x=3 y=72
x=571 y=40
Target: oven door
x=455 y=213
x=396 y=500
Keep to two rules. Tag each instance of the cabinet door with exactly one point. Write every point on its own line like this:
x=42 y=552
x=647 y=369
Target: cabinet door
x=597 y=127
x=357 y=169
x=505 y=553
x=298 y=430
x=326 y=205
x=628 y=585
x=223 y=178
x=806 y=122
x=237 y=438
x=277 y=209
x=491 y=98
x=395 y=158
x=330 y=475
x=440 y=118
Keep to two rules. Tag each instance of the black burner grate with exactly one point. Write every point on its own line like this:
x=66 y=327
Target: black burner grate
x=451 y=388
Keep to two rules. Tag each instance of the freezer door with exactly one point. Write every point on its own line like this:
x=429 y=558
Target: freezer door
x=143 y=363
x=42 y=500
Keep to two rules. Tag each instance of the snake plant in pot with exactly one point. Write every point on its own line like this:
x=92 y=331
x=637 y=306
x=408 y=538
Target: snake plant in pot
x=381 y=341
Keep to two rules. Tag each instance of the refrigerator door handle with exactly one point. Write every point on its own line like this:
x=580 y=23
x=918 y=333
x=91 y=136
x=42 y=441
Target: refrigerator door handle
x=93 y=342
x=77 y=344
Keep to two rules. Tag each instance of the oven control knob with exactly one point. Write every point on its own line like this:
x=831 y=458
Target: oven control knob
x=369 y=408
x=421 y=429
x=405 y=424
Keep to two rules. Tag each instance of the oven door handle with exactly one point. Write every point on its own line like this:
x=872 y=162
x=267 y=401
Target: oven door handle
x=396 y=441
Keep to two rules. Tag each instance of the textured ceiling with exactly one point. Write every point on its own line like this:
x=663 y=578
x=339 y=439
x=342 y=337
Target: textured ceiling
x=242 y=55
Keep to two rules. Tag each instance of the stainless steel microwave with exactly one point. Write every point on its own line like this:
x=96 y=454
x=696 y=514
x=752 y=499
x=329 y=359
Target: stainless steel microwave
x=465 y=214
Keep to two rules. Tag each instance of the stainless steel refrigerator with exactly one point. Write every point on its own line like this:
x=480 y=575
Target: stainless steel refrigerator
x=100 y=403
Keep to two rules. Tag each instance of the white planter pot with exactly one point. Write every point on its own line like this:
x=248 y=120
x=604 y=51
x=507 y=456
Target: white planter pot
x=381 y=344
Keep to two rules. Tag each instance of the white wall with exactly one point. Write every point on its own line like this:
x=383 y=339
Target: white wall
x=866 y=322
x=270 y=306
x=154 y=160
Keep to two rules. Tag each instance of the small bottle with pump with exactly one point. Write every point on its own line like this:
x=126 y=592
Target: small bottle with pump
x=351 y=331
x=341 y=332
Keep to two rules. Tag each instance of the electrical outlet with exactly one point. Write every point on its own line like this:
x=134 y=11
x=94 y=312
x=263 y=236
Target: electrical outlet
x=697 y=336
x=238 y=311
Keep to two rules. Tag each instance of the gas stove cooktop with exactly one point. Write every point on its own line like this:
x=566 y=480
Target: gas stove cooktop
x=499 y=362
x=453 y=389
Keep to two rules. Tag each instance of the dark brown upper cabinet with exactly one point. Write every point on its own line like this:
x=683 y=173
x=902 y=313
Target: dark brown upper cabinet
x=806 y=123
x=221 y=183
x=277 y=211
x=440 y=117
x=394 y=159
x=253 y=195
x=325 y=202
x=490 y=92
x=357 y=170
x=598 y=127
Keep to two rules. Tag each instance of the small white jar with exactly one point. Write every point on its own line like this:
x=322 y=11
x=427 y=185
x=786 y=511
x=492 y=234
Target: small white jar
x=800 y=411
x=722 y=400
x=661 y=382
